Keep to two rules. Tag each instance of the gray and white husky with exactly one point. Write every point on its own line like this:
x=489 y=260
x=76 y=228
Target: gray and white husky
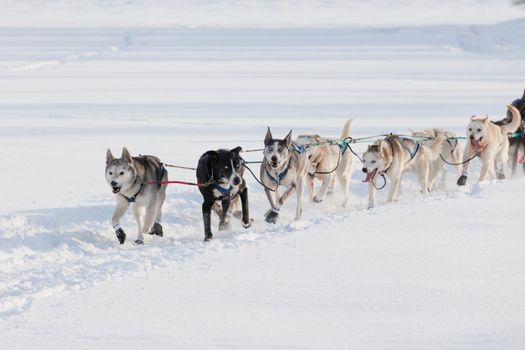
x=285 y=163
x=135 y=180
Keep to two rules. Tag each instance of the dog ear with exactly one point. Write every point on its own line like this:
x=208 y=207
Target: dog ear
x=109 y=156
x=210 y=157
x=382 y=149
x=125 y=154
x=212 y=154
x=236 y=150
x=288 y=138
x=268 y=138
x=523 y=98
x=473 y=117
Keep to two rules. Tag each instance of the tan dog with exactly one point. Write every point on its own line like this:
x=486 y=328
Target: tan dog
x=451 y=151
x=491 y=144
x=328 y=163
x=395 y=155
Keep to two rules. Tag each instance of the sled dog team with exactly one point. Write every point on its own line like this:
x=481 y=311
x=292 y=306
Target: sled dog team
x=288 y=166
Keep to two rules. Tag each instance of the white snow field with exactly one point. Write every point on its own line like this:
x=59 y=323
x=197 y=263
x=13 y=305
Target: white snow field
x=445 y=271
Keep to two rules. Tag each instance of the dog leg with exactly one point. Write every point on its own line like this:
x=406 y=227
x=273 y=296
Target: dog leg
x=120 y=210
x=206 y=218
x=469 y=153
x=138 y=213
x=371 y=196
x=344 y=181
x=311 y=190
x=423 y=176
x=394 y=189
x=485 y=168
x=299 y=197
x=157 y=227
x=246 y=221
x=149 y=218
x=327 y=180
x=273 y=213
x=513 y=154
x=223 y=223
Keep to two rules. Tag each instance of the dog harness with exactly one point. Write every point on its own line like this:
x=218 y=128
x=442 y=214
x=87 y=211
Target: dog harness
x=412 y=152
x=280 y=177
x=134 y=197
x=222 y=190
x=160 y=174
x=298 y=148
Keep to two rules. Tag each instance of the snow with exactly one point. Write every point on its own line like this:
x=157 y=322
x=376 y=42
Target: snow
x=444 y=271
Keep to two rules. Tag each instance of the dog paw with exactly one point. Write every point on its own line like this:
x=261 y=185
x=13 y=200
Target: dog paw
x=156 y=230
x=121 y=236
x=208 y=237
x=501 y=176
x=462 y=180
x=237 y=214
x=139 y=241
x=248 y=224
x=317 y=200
x=225 y=225
x=271 y=218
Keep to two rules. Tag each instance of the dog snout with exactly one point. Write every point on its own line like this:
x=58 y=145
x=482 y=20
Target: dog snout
x=365 y=170
x=472 y=137
x=274 y=159
x=114 y=183
x=236 y=180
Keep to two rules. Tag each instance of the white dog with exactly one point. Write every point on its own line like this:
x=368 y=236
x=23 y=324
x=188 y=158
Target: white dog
x=490 y=143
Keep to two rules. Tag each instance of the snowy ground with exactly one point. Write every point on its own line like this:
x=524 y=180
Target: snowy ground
x=445 y=271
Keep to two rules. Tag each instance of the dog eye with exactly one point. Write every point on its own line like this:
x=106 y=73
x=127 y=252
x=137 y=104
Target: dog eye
x=270 y=149
x=479 y=130
x=110 y=173
x=280 y=149
x=373 y=162
x=469 y=129
x=121 y=173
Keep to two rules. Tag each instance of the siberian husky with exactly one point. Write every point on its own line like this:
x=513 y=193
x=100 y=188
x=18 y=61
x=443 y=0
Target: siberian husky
x=285 y=163
x=395 y=155
x=491 y=144
x=136 y=180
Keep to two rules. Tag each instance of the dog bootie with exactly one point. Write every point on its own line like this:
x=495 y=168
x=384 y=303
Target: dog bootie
x=156 y=230
x=501 y=176
x=462 y=180
x=272 y=216
x=121 y=235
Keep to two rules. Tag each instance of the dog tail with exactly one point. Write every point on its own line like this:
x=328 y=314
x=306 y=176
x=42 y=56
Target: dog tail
x=516 y=120
x=346 y=129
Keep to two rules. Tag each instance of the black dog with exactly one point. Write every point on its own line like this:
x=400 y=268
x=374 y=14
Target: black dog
x=219 y=174
x=516 y=143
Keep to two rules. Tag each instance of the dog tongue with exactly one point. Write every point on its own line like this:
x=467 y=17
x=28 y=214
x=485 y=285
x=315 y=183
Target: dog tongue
x=476 y=145
x=369 y=176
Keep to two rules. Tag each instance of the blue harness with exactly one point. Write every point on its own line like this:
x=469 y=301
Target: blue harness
x=280 y=177
x=412 y=152
x=222 y=190
x=298 y=148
